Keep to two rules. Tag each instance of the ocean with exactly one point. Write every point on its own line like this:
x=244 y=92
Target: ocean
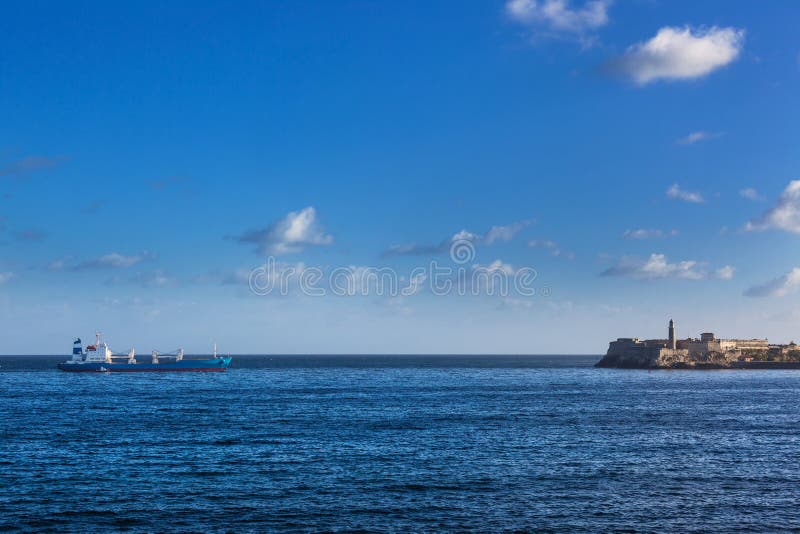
x=399 y=443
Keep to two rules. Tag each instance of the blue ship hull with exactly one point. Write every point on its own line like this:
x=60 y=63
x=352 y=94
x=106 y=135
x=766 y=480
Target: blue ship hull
x=209 y=365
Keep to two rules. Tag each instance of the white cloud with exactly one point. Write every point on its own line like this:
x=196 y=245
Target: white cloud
x=5 y=277
x=492 y=278
x=681 y=54
x=779 y=287
x=290 y=234
x=725 y=273
x=559 y=16
x=361 y=280
x=494 y=235
x=656 y=266
x=504 y=233
x=274 y=277
x=696 y=137
x=58 y=265
x=496 y=266
x=784 y=215
x=750 y=194
x=552 y=246
x=676 y=193
x=156 y=278
x=113 y=260
x=648 y=233
x=464 y=235
x=543 y=243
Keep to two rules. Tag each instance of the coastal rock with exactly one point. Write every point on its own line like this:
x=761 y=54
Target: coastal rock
x=663 y=358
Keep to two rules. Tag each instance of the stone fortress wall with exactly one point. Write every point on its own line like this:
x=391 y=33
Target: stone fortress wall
x=673 y=352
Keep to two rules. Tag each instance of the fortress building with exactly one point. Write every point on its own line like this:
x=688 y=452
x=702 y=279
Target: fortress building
x=707 y=350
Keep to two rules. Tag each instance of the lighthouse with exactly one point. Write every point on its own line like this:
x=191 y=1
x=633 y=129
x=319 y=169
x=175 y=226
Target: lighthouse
x=672 y=343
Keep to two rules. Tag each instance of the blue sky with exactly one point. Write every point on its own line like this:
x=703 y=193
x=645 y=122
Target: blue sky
x=639 y=155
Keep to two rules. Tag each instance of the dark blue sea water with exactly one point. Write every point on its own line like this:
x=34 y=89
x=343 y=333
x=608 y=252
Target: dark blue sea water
x=399 y=443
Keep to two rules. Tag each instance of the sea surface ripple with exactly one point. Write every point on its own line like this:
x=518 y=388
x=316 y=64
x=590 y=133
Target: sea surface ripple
x=399 y=443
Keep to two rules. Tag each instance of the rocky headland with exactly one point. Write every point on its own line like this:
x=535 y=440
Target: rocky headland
x=705 y=352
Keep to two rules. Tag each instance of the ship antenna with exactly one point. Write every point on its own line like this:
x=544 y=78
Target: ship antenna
x=215 y=349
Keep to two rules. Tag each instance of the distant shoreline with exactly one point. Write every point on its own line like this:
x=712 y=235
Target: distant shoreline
x=755 y=365
x=359 y=355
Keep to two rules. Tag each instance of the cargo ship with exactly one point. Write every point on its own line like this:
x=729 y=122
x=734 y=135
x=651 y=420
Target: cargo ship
x=98 y=358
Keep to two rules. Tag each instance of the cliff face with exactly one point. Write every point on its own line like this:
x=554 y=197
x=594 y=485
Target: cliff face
x=662 y=358
x=631 y=359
